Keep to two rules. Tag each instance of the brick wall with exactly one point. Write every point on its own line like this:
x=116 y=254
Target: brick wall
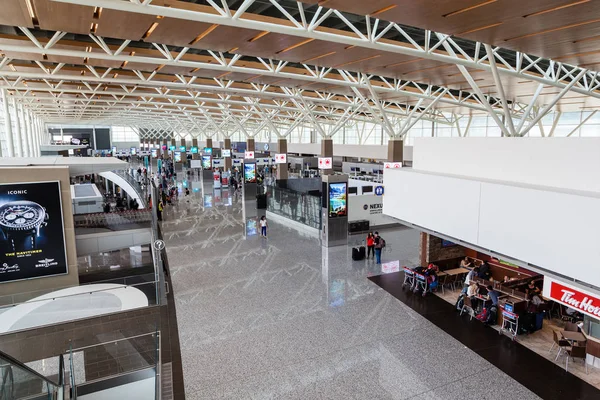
x=431 y=250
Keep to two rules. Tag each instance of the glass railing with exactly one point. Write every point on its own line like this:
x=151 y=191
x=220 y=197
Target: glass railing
x=18 y=381
x=140 y=187
x=117 y=220
x=131 y=359
x=299 y=207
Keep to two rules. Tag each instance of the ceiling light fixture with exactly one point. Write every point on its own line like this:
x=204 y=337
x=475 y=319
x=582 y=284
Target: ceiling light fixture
x=30 y=9
x=295 y=46
x=462 y=10
x=150 y=30
x=12 y=67
x=480 y=28
x=204 y=34
x=255 y=38
x=382 y=10
x=561 y=28
x=556 y=8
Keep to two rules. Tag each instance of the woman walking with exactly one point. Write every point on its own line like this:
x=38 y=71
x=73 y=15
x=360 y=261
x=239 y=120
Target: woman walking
x=263 y=226
x=370 y=245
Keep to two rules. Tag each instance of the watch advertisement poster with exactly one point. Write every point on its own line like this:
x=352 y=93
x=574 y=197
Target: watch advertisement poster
x=32 y=237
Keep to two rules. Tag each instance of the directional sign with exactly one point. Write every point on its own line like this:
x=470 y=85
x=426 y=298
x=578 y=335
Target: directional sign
x=392 y=165
x=379 y=190
x=248 y=155
x=325 y=163
x=281 y=158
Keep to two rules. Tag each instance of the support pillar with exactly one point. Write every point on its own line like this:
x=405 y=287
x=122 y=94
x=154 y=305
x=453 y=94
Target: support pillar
x=7 y=126
x=209 y=143
x=395 y=150
x=250 y=144
x=195 y=156
x=327 y=151
x=227 y=145
x=282 y=169
x=19 y=133
x=183 y=153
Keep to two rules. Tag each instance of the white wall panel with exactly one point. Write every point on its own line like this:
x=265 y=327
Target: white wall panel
x=569 y=163
x=556 y=231
x=439 y=203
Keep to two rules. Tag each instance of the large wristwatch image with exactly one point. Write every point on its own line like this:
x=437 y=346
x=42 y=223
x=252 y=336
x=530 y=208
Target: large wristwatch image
x=20 y=223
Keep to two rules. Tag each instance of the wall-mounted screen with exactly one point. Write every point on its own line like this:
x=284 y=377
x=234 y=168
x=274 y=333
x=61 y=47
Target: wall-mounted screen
x=226 y=153
x=206 y=162
x=194 y=150
x=207 y=150
x=32 y=237
x=250 y=172
x=154 y=153
x=182 y=149
x=447 y=243
x=133 y=151
x=164 y=147
x=338 y=205
x=177 y=156
x=114 y=150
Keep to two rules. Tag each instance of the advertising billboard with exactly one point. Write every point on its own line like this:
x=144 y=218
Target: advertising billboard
x=32 y=237
x=338 y=206
x=154 y=153
x=132 y=151
x=164 y=147
x=206 y=162
x=226 y=153
x=250 y=173
x=177 y=156
x=194 y=150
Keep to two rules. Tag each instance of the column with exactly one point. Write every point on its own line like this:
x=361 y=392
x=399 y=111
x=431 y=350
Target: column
x=94 y=135
x=183 y=153
x=195 y=144
x=19 y=133
x=227 y=145
x=282 y=169
x=395 y=150
x=250 y=145
x=327 y=151
x=7 y=125
x=62 y=135
x=209 y=143
x=26 y=149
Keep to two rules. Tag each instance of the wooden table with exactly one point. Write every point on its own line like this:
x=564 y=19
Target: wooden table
x=457 y=271
x=573 y=336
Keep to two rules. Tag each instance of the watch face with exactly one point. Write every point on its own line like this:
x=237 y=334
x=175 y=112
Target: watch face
x=21 y=215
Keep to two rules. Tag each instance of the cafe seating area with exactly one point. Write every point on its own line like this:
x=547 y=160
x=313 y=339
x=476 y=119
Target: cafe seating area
x=559 y=338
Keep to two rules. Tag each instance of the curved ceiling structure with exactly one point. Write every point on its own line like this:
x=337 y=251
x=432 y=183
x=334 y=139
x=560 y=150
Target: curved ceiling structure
x=219 y=66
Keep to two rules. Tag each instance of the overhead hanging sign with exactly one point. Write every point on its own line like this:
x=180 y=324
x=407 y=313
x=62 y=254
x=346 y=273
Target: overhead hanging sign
x=325 y=163
x=32 y=236
x=248 y=155
x=281 y=158
x=392 y=165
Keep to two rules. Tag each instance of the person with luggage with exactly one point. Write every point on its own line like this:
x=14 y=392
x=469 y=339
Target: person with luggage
x=379 y=246
x=370 y=245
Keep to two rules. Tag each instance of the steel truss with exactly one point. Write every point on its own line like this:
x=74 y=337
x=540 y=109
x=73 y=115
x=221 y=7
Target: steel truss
x=528 y=67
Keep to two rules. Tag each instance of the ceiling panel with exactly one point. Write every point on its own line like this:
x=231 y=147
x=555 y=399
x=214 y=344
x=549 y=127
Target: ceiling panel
x=64 y=17
x=14 y=13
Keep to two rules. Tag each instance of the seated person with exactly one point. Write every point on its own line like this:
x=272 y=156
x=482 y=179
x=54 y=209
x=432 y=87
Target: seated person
x=472 y=291
x=466 y=263
x=531 y=288
x=506 y=279
x=484 y=271
x=492 y=295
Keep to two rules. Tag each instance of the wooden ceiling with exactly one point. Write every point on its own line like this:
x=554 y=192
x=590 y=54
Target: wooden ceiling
x=565 y=30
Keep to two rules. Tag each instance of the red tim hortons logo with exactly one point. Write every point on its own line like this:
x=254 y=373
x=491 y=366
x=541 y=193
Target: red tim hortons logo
x=575 y=299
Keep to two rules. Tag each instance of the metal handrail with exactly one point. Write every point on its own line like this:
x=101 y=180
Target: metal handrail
x=110 y=342
x=19 y=364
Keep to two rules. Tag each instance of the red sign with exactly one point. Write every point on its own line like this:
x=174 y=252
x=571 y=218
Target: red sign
x=392 y=165
x=280 y=158
x=574 y=298
x=325 y=162
x=249 y=155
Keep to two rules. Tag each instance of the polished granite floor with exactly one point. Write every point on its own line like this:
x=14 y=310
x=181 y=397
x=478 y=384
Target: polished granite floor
x=285 y=319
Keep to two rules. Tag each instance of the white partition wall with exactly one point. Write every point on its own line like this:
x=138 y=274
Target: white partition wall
x=556 y=230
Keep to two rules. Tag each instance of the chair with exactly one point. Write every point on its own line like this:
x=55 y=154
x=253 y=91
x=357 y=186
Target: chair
x=442 y=281
x=571 y=327
x=450 y=281
x=561 y=343
x=467 y=304
x=576 y=352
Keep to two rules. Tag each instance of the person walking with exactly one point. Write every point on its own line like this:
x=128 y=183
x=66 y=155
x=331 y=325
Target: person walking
x=370 y=245
x=379 y=245
x=159 y=210
x=263 y=226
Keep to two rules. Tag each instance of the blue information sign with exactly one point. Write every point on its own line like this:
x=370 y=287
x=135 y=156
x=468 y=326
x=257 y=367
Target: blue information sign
x=379 y=190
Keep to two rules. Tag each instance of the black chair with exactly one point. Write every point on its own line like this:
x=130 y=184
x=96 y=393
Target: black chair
x=576 y=352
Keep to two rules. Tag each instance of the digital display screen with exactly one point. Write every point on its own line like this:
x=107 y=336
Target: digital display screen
x=194 y=150
x=208 y=200
x=133 y=151
x=208 y=150
x=226 y=153
x=447 y=243
x=32 y=238
x=182 y=149
x=206 y=162
x=154 y=153
x=177 y=156
x=251 y=227
x=164 y=147
x=337 y=200
x=250 y=173
x=114 y=149
x=172 y=148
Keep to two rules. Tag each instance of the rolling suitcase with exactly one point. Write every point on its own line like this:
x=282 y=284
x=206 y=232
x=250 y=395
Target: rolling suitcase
x=358 y=253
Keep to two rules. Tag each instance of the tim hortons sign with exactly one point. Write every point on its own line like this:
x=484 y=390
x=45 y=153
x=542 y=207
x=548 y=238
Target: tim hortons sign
x=572 y=297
